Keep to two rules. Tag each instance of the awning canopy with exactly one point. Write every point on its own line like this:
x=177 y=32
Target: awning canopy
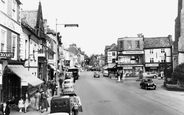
x=52 y=66
x=24 y=74
x=105 y=67
x=111 y=65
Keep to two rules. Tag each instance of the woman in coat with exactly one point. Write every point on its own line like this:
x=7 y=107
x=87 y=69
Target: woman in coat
x=44 y=103
x=37 y=100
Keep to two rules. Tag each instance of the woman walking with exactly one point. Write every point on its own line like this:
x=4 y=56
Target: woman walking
x=26 y=101
x=44 y=102
x=37 y=100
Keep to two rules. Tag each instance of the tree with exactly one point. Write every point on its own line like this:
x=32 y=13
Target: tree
x=178 y=74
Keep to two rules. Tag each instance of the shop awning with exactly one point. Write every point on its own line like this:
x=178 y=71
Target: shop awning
x=105 y=67
x=24 y=74
x=112 y=65
x=52 y=66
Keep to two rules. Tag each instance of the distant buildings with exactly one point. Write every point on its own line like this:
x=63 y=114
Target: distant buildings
x=135 y=54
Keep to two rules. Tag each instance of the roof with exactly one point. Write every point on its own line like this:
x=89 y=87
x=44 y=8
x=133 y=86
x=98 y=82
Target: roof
x=30 y=17
x=113 y=48
x=157 y=42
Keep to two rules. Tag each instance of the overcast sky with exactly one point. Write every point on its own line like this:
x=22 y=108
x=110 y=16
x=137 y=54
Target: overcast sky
x=102 y=22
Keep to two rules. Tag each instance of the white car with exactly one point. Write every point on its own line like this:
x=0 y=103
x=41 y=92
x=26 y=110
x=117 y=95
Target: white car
x=150 y=75
x=68 y=86
x=105 y=73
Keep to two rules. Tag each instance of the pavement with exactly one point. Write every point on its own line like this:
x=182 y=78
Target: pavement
x=32 y=109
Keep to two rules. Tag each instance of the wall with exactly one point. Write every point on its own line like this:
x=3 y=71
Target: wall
x=157 y=55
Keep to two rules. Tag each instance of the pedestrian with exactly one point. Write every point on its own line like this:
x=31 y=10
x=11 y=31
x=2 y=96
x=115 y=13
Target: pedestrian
x=53 y=87
x=37 y=100
x=44 y=86
x=21 y=104
x=44 y=102
x=5 y=108
x=26 y=101
x=60 y=82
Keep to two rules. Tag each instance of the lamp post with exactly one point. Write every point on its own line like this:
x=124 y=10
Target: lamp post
x=57 y=54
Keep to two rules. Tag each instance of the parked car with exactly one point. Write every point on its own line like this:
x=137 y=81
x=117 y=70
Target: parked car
x=105 y=73
x=147 y=84
x=68 y=86
x=96 y=74
x=75 y=72
x=150 y=75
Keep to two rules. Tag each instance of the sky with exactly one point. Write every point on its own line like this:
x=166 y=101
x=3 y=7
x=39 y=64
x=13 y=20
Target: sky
x=102 y=22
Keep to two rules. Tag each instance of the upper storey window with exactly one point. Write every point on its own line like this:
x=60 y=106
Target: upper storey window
x=3 y=6
x=14 y=10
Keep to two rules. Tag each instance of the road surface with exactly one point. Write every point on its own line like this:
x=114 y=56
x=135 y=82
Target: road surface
x=101 y=96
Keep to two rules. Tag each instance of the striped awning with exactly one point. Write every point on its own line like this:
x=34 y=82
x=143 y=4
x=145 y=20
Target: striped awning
x=25 y=75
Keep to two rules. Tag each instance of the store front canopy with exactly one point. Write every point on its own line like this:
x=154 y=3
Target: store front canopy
x=52 y=66
x=24 y=74
x=105 y=67
x=112 y=65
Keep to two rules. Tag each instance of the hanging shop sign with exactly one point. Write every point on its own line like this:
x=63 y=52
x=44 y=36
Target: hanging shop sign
x=6 y=55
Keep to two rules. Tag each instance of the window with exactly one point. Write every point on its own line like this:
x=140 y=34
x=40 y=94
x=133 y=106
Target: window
x=137 y=44
x=3 y=38
x=129 y=44
x=14 y=45
x=121 y=44
x=113 y=60
x=3 y=6
x=151 y=51
x=14 y=10
x=151 y=60
x=113 y=53
x=162 y=50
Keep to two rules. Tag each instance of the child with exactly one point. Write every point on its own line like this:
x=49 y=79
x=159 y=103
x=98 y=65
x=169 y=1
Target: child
x=21 y=104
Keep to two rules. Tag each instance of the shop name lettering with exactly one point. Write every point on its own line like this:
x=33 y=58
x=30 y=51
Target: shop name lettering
x=6 y=54
x=9 y=23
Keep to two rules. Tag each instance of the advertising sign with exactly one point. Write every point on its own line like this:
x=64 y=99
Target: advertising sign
x=6 y=55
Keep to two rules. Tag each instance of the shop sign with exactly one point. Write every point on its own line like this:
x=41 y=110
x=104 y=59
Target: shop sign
x=133 y=52
x=6 y=55
x=9 y=23
x=151 y=65
x=127 y=67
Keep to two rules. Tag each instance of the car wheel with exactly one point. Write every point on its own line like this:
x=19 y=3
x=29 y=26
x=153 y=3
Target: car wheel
x=154 y=76
x=154 y=87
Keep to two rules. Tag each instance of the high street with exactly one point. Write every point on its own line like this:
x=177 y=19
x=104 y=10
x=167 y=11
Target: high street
x=104 y=96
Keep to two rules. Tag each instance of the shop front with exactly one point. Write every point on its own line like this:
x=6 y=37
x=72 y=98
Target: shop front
x=149 y=67
x=131 y=70
x=16 y=80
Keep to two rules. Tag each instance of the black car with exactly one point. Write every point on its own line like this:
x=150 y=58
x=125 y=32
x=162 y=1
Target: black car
x=97 y=74
x=147 y=84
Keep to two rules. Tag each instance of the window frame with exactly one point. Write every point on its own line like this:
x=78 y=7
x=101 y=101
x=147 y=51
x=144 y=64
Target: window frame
x=14 y=10
x=5 y=39
x=14 y=48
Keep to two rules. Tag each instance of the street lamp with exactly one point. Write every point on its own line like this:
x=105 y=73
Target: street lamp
x=65 y=25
